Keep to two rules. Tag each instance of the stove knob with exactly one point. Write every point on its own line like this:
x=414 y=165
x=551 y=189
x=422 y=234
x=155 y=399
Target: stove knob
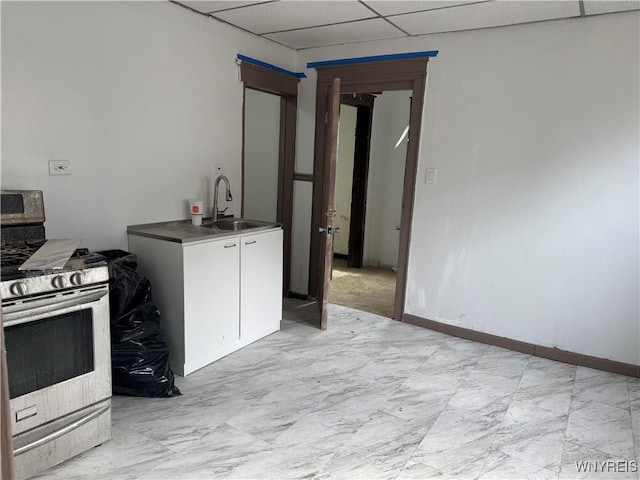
x=77 y=278
x=18 y=289
x=59 y=282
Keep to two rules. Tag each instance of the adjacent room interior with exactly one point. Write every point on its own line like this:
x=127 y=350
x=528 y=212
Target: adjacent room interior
x=369 y=196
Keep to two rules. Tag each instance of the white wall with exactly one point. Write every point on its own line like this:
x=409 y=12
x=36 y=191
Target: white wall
x=388 y=155
x=344 y=176
x=531 y=231
x=261 y=155
x=142 y=97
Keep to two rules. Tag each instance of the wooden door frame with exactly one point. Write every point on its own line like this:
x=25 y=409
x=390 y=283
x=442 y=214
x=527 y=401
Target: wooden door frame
x=364 y=116
x=407 y=74
x=286 y=87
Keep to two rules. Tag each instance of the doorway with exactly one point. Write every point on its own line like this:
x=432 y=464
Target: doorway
x=370 y=167
x=268 y=154
x=352 y=173
x=381 y=76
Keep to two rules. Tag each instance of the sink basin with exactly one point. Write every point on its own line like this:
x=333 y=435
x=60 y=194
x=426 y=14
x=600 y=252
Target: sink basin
x=236 y=224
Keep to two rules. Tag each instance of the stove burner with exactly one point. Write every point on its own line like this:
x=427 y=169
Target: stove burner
x=14 y=255
x=17 y=254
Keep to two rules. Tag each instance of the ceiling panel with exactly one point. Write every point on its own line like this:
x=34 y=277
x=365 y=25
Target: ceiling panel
x=481 y=15
x=396 y=7
x=278 y=16
x=311 y=23
x=595 y=7
x=365 y=30
x=208 y=6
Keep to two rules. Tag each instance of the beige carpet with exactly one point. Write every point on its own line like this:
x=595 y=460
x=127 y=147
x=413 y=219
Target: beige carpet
x=370 y=289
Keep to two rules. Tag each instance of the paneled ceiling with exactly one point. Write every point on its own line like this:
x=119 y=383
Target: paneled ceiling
x=300 y=24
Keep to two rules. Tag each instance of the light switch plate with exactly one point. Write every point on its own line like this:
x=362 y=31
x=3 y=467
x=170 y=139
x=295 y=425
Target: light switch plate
x=59 y=167
x=430 y=176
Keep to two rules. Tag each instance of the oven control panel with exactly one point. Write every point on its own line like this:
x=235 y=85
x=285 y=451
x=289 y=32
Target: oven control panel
x=52 y=282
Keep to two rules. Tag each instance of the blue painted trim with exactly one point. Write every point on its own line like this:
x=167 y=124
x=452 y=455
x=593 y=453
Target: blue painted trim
x=260 y=63
x=373 y=58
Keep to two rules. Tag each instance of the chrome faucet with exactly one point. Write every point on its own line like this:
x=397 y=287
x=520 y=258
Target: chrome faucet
x=214 y=213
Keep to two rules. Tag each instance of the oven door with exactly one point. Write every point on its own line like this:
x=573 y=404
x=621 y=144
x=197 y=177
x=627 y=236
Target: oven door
x=58 y=354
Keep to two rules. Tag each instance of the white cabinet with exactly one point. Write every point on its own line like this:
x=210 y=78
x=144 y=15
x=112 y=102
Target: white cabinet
x=216 y=295
x=260 y=284
x=211 y=299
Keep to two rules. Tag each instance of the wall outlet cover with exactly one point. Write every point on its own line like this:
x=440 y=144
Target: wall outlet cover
x=59 y=167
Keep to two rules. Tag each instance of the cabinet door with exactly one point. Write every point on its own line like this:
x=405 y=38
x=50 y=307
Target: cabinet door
x=211 y=278
x=261 y=284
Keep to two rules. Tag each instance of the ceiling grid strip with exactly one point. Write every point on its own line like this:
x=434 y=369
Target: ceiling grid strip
x=384 y=18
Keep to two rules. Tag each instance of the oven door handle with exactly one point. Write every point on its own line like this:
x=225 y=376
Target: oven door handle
x=24 y=311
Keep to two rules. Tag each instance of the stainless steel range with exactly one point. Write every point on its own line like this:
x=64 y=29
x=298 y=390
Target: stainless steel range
x=56 y=325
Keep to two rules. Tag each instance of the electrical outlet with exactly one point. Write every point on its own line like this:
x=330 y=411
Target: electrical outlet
x=218 y=168
x=59 y=167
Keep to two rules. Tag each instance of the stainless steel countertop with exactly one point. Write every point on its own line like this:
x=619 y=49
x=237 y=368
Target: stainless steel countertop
x=182 y=231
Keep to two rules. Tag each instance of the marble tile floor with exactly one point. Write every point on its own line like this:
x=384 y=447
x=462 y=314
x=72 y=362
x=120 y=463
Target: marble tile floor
x=373 y=398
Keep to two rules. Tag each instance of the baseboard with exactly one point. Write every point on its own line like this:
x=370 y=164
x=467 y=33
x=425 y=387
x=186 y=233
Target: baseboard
x=588 y=361
x=341 y=255
x=524 y=347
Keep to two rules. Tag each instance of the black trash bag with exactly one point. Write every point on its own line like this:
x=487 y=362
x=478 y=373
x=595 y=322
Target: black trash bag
x=139 y=352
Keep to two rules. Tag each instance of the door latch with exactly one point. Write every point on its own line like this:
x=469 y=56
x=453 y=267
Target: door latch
x=330 y=213
x=329 y=230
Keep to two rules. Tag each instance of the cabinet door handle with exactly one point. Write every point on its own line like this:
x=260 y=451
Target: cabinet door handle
x=250 y=243
x=231 y=245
